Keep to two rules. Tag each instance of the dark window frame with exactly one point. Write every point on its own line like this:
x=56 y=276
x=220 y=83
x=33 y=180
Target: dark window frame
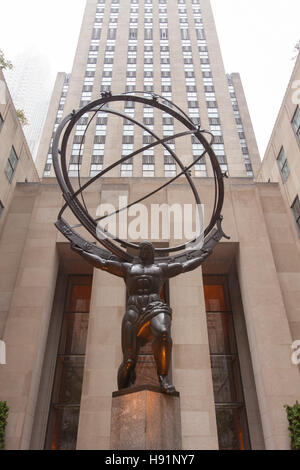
x=296 y=214
x=293 y=122
x=11 y=164
x=1 y=209
x=283 y=165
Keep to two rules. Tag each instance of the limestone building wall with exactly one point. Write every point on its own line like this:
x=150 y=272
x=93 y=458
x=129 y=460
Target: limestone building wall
x=267 y=270
x=12 y=136
x=284 y=138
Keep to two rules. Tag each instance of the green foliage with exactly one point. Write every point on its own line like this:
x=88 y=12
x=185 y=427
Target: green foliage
x=3 y=422
x=293 y=415
x=21 y=116
x=4 y=64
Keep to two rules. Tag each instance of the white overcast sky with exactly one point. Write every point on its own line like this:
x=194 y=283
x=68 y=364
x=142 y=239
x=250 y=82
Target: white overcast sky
x=257 y=40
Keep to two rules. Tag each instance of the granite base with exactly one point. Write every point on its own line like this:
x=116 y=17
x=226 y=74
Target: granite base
x=143 y=418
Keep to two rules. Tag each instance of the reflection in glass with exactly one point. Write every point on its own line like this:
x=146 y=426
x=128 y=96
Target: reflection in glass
x=231 y=428
x=226 y=379
x=68 y=380
x=65 y=422
x=66 y=394
x=228 y=393
x=79 y=297
x=221 y=333
x=74 y=333
x=215 y=300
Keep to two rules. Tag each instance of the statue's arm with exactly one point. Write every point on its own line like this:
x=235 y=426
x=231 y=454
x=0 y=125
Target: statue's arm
x=113 y=267
x=192 y=264
x=173 y=269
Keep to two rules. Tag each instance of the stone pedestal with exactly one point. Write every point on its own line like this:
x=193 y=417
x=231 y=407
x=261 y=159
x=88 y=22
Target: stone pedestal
x=143 y=418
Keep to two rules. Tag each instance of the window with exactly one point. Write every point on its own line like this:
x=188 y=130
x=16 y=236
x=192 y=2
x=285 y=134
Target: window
x=200 y=168
x=96 y=33
x=126 y=170
x=148 y=139
x=283 y=165
x=132 y=33
x=148 y=34
x=164 y=33
x=1 y=209
x=228 y=391
x=74 y=170
x=185 y=34
x=148 y=170
x=111 y=34
x=95 y=169
x=296 y=211
x=296 y=123
x=11 y=164
x=200 y=33
x=99 y=139
x=76 y=159
x=127 y=139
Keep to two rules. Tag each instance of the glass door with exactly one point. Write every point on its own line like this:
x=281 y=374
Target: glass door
x=228 y=391
x=66 y=394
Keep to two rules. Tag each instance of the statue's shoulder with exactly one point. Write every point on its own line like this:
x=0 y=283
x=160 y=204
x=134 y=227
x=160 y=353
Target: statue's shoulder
x=134 y=267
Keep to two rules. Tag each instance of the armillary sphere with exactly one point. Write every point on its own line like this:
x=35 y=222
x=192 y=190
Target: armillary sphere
x=115 y=247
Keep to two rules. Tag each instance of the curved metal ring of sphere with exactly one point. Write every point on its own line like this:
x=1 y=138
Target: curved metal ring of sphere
x=80 y=211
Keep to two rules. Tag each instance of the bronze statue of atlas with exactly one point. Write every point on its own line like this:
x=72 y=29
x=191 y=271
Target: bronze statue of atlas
x=147 y=317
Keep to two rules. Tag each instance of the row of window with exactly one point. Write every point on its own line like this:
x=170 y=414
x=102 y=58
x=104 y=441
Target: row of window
x=129 y=107
x=284 y=168
x=100 y=131
x=282 y=158
x=240 y=128
x=192 y=101
x=48 y=165
x=211 y=103
x=170 y=169
x=193 y=106
x=101 y=124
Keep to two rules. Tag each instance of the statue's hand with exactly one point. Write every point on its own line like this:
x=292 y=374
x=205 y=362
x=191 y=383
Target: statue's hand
x=207 y=252
x=76 y=248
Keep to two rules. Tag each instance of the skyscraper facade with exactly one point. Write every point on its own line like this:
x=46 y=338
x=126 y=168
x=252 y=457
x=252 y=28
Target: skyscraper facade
x=168 y=48
x=30 y=86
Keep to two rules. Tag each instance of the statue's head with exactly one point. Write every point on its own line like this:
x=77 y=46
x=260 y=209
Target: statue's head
x=147 y=253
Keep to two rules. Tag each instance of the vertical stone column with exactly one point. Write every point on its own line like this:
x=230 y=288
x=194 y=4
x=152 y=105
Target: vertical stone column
x=103 y=357
x=277 y=379
x=26 y=328
x=191 y=362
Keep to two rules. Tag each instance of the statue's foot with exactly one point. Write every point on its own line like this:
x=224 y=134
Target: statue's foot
x=132 y=378
x=165 y=385
x=126 y=374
